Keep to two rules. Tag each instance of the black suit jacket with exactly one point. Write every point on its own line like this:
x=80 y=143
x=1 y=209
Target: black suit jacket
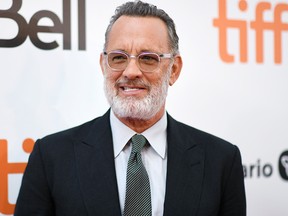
x=73 y=173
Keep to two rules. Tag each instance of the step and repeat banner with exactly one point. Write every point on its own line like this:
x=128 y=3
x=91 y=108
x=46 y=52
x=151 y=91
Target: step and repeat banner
x=234 y=82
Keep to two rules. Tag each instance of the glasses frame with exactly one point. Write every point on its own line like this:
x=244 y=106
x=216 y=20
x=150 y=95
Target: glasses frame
x=136 y=57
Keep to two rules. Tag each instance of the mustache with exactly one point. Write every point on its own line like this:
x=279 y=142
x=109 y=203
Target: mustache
x=136 y=82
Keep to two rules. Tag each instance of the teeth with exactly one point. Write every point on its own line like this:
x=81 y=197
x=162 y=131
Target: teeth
x=130 y=89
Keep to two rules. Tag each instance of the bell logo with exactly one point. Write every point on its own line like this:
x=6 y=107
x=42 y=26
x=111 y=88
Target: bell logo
x=258 y=25
x=32 y=28
x=283 y=165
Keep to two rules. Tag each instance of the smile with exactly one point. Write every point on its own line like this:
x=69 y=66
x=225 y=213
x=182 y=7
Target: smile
x=126 y=88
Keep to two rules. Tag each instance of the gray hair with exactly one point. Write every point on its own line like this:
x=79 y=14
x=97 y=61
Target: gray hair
x=142 y=9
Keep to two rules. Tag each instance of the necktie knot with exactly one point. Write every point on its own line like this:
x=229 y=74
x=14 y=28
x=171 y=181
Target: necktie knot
x=138 y=142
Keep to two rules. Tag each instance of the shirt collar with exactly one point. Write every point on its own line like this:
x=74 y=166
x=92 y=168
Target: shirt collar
x=156 y=135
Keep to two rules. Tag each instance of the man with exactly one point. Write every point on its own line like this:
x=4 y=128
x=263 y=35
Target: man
x=180 y=170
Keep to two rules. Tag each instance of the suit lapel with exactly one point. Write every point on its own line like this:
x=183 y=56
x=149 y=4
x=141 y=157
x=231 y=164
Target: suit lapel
x=96 y=170
x=185 y=171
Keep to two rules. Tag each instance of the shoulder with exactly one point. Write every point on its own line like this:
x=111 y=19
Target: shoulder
x=69 y=134
x=66 y=138
x=206 y=141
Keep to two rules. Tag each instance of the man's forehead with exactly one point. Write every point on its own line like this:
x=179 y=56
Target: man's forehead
x=142 y=32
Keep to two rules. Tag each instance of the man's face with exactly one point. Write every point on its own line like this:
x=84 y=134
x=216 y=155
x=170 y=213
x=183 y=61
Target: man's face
x=131 y=92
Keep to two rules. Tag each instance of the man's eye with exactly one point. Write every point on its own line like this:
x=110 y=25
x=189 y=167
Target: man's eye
x=149 y=58
x=118 y=58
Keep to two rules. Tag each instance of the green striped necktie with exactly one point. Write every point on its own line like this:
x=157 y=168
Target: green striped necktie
x=138 y=195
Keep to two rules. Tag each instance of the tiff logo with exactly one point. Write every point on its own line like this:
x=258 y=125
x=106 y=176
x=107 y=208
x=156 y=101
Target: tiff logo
x=259 y=25
x=7 y=168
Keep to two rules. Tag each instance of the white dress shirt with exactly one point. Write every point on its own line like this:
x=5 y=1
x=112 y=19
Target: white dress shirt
x=154 y=158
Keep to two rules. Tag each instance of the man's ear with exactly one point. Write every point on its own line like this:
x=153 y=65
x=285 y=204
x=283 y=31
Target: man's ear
x=176 y=69
x=102 y=62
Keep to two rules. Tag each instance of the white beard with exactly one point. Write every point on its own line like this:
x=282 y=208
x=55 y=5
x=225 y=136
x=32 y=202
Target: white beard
x=133 y=107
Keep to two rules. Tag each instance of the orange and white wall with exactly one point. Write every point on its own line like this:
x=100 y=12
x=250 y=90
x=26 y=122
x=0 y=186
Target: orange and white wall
x=234 y=82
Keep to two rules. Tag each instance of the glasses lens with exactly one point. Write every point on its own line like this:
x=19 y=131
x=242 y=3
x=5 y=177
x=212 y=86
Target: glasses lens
x=117 y=60
x=148 y=61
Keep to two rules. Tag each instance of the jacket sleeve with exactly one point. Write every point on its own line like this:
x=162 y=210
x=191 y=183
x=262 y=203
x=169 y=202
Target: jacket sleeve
x=34 y=196
x=233 y=201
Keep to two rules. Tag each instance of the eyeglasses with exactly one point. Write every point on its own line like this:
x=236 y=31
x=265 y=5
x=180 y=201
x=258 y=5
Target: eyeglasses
x=146 y=61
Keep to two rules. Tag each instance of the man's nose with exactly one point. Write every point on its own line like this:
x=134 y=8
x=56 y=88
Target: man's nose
x=132 y=70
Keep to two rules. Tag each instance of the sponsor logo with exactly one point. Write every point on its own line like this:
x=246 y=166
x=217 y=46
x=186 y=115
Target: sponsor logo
x=277 y=26
x=283 y=165
x=261 y=169
x=7 y=168
x=33 y=27
x=258 y=169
